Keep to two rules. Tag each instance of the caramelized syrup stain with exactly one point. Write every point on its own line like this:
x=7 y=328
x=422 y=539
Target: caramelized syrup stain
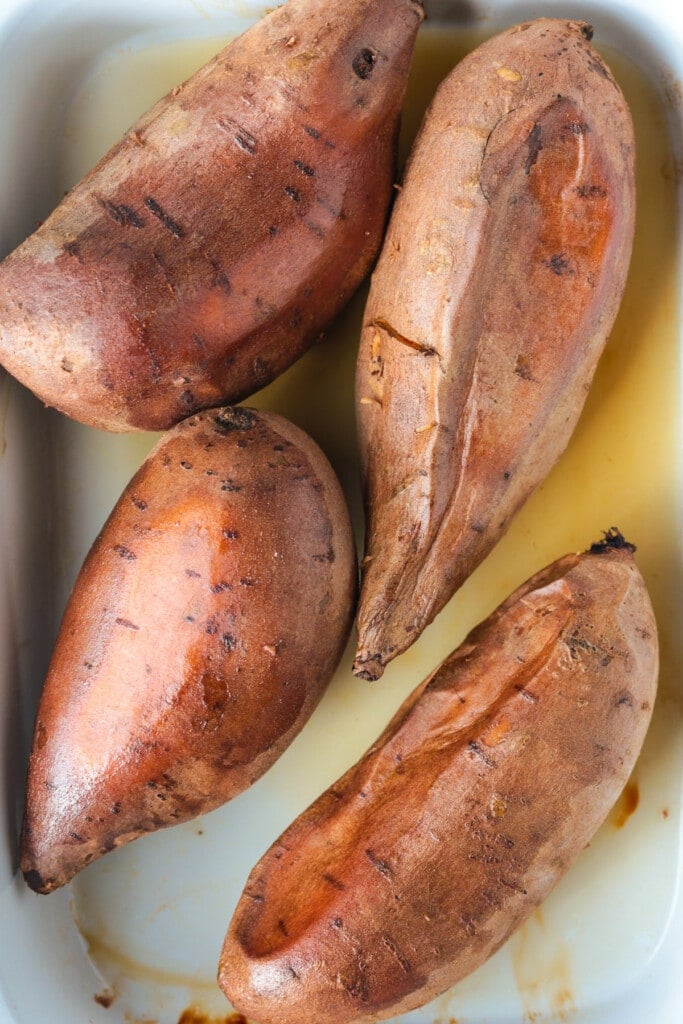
x=195 y=1016
x=627 y=804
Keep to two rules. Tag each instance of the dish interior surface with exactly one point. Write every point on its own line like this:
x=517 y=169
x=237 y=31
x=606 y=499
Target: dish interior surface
x=140 y=931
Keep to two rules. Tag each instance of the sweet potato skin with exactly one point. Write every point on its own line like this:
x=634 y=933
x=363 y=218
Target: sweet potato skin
x=210 y=247
x=498 y=284
x=201 y=633
x=411 y=870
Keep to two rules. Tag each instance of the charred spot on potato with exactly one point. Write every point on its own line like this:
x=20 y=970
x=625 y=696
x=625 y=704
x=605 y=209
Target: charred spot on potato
x=167 y=222
x=139 y=503
x=293 y=193
x=559 y=264
x=235 y=418
x=126 y=623
x=307 y=171
x=35 y=881
x=613 y=539
x=534 y=146
x=363 y=63
x=122 y=214
x=591 y=191
x=229 y=641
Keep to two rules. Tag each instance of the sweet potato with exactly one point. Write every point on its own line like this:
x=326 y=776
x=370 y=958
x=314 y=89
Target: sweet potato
x=498 y=284
x=411 y=870
x=209 y=248
x=202 y=630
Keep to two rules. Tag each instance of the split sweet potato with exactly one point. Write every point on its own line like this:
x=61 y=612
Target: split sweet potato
x=498 y=284
x=201 y=633
x=209 y=248
x=411 y=870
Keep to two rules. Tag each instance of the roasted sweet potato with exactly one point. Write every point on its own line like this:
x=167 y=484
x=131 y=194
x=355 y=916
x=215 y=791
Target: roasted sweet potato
x=209 y=248
x=498 y=284
x=203 y=628
x=409 y=872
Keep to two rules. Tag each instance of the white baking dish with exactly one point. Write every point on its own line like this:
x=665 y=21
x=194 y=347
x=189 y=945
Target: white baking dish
x=606 y=947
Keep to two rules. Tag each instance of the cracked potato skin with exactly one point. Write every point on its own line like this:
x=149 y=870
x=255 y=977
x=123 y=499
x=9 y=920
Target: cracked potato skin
x=202 y=631
x=210 y=247
x=415 y=867
x=500 y=278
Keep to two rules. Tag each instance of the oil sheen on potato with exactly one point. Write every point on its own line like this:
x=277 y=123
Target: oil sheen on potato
x=155 y=914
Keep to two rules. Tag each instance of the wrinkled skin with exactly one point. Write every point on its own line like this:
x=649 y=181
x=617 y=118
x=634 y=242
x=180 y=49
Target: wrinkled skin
x=415 y=867
x=201 y=633
x=210 y=247
x=499 y=281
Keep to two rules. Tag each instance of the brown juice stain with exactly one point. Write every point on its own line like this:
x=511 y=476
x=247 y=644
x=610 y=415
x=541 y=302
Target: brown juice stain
x=626 y=805
x=111 y=960
x=194 y=1016
x=541 y=965
x=105 y=999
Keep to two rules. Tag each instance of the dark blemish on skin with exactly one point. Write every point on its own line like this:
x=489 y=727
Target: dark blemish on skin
x=230 y=485
x=272 y=230
x=67 y=365
x=122 y=214
x=247 y=582
x=116 y=808
x=293 y=193
x=246 y=141
x=126 y=623
x=164 y=219
x=506 y=475
x=304 y=168
x=590 y=191
x=219 y=588
x=478 y=527
x=624 y=699
x=192 y=574
x=587 y=32
x=384 y=325
x=220 y=278
x=468 y=925
x=337 y=922
x=559 y=264
x=313 y=132
x=328 y=556
x=404 y=964
x=534 y=145
x=230 y=534
x=479 y=752
x=316 y=230
x=522 y=367
x=282 y=927
x=139 y=503
x=235 y=418
x=186 y=465
x=125 y=553
x=380 y=865
x=334 y=882
x=186 y=398
x=105 y=999
x=189 y=618
x=229 y=641
x=363 y=63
